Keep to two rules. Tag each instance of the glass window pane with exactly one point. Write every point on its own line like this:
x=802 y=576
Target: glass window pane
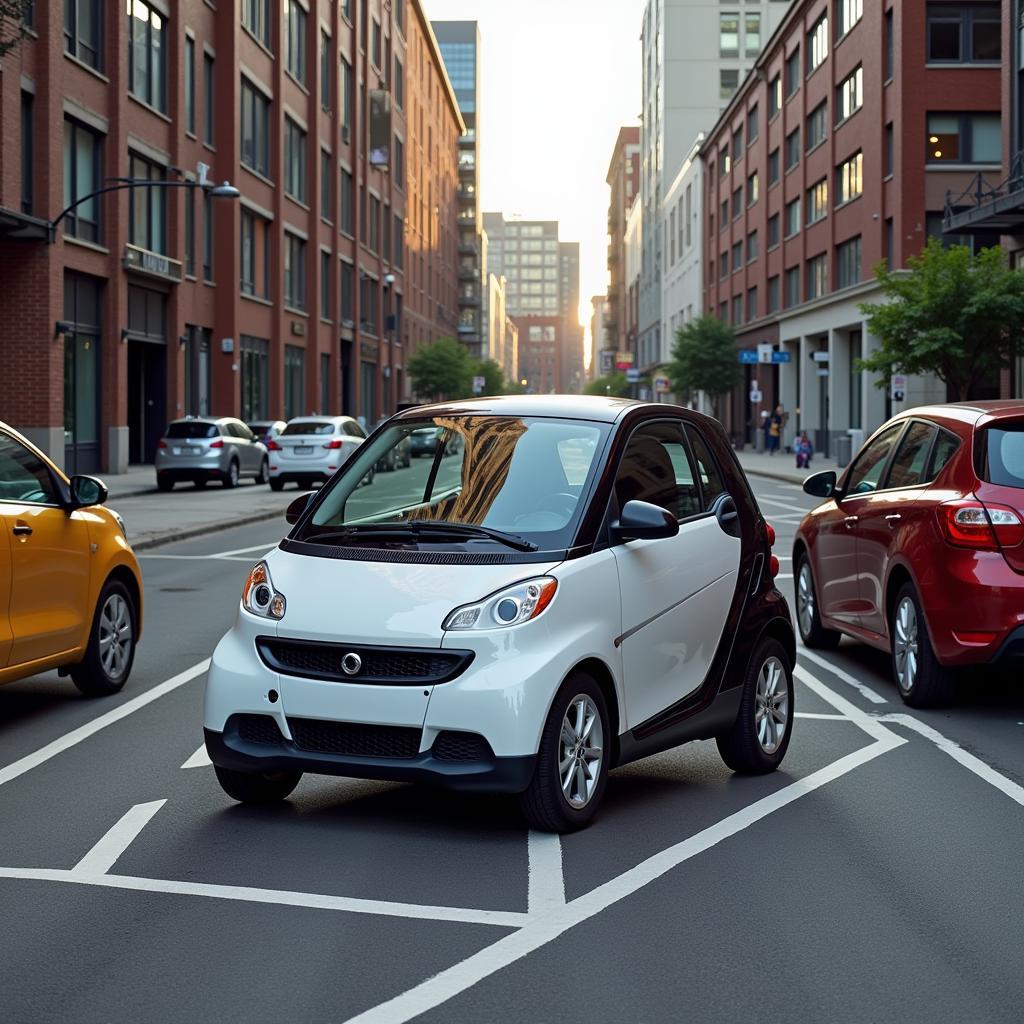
x=909 y=464
x=944 y=40
x=986 y=139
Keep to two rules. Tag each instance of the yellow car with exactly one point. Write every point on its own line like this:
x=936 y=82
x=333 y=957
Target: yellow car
x=70 y=587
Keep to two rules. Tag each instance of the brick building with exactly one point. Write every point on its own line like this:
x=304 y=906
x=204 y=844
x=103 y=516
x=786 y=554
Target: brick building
x=305 y=293
x=835 y=153
x=623 y=183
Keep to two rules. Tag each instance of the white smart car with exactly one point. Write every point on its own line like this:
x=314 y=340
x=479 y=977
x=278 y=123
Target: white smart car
x=586 y=581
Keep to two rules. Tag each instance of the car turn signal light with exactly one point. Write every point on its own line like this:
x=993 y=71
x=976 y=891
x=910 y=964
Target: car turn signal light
x=333 y=445
x=970 y=524
x=770 y=530
x=259 y=596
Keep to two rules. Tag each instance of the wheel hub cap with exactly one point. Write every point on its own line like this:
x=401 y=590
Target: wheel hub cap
x=905 y=645
x=580 y=750
x=805 y=600
x=115 y=636
x=771 y=705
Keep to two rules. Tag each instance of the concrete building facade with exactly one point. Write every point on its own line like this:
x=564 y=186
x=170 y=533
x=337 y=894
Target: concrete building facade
x=502 y=334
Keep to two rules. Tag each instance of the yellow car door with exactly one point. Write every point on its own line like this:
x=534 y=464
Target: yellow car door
x=5 y=593
x=50 y=605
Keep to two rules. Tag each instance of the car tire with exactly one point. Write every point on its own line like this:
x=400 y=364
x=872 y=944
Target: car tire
x=164 y=483
x=547 y=805
x=230 y=478
x=264 y=474
x=808 y=621
x=759 y=738
x=277 y=485
x=256 y=787
x=922 y=681
x=107 y=665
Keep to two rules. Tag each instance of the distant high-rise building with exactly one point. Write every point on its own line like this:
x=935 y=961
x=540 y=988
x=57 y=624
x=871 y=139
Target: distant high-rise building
x=459 y=42
x=572 y=342
x=623 y=183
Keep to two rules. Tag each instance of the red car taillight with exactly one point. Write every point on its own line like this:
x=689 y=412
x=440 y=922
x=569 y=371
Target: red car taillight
x=273 y=446
x=970 y=524
x=216 y=444
x=161 y=444
x=771 y=534
x=333 y=445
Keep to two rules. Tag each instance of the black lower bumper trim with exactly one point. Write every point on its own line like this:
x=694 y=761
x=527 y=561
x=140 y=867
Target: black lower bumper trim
x=497 y=775
x=1012 y=650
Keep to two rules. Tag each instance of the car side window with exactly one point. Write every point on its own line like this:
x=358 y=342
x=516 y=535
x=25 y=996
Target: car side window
x=911 y=458
x=243 y=431
x=710 y=476
x=867 y=471
x=355 y=430
x=23 y=475
x=655 y=468
x=945 y=448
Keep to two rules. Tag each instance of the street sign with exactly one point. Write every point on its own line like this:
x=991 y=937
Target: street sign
x=662 y=385
x=820 y=357
x=748 y=355
x=633 y=376
x=607 y=357
x=899 y=388
x=782 y=357
x=822 y=373
x=764 y=352
x=479 y=383
x=202 y=174
x=623 y=360
x=756 y=397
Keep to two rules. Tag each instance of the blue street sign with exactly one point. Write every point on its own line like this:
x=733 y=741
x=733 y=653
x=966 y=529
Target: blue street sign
x=748 y=355
x=782 y=357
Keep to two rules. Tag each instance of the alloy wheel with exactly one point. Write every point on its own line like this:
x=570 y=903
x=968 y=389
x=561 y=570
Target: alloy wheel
x=905 y=639
x=771 y=705
x=580 y=750
x=805 y=600
x=115 y=636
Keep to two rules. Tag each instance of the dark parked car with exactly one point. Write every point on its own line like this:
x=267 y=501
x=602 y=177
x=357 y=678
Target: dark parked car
x=267 y=430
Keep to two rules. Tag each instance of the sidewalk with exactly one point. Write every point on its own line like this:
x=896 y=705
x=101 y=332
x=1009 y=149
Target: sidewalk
x=138 y=480
x=782 y=466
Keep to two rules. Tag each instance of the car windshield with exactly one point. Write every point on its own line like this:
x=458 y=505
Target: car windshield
x=523 y=476
x=1003 y=455
x=307 y=427
x=191 y=430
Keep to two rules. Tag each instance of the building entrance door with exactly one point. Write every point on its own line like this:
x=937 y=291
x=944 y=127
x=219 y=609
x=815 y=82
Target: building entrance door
x=82 y=374
x=147 y=399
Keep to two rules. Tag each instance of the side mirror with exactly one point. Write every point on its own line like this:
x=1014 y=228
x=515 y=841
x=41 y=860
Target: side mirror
x=640 y=520
x=87 y=490
x=821 y=485
x=293 y=513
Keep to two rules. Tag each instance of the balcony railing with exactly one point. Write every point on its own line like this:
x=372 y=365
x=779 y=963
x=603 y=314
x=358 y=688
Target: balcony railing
x=988 y=207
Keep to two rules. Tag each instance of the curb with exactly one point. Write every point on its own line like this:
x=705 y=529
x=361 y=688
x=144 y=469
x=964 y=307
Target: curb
x=136 y=492
x=201 y=531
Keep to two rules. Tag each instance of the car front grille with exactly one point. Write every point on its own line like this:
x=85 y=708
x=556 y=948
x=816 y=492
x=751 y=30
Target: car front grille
x=397 y=666
x=354 y=739
x=260 y=729
x=462 y=746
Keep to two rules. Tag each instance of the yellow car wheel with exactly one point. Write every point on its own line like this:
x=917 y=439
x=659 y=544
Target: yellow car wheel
x=111 y=651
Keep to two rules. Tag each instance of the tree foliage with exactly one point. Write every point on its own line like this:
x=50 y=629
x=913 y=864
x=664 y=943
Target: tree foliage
x=441 y=370
x=957 y=315
x=704 y=359
x=13 y=23
x=615 y=384
x=493 y=375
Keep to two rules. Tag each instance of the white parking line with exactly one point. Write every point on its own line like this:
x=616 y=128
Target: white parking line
x=200 y=759
x=196 y=558
x=863 y=689
x=819 y=716
x=83 y=732
x=547 y=883
x=102 y=857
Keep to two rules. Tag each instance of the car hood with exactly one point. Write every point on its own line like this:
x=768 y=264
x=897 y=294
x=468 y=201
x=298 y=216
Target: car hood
x=377 y=602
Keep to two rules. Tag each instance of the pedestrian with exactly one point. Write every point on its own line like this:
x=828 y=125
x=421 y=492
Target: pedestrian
x=804 y=451
x=775 y=430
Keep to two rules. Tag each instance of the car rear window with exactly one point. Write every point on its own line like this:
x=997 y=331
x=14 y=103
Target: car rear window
x=307 y=427
x=192 y=430
x=1002 y=455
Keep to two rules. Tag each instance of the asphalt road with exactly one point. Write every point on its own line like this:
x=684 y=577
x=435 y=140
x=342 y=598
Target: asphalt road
x=877 y=877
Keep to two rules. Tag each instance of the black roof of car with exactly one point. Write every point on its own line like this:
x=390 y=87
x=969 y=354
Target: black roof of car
x=576 y=407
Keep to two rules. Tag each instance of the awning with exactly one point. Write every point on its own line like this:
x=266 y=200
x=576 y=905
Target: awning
x=19 y=227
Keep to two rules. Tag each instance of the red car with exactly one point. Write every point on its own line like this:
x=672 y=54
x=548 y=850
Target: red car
x=919 y=549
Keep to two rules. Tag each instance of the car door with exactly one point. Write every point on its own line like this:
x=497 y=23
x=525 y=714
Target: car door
x=5 y=592
x=887 y=515
x=675 y=592
x=835 y=547
x=49 y=608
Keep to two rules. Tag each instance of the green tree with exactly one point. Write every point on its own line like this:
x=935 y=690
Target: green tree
x=704 y=359
x=615 y=384
x=493 y=375
x=441 y=370
x=13 y=23
x=957 y=315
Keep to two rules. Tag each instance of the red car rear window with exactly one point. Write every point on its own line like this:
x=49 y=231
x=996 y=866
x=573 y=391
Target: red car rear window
x=1001 y=455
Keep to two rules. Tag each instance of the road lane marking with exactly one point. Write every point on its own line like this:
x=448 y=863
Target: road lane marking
x=261 y=548
x=782 y=504
x=200 y=759
x=277 y=897
x=547 y=882
x=103 y=856
x=819 y=716
x=83 y=732
x=862 y=688
x=961 y=756
x=196 y=558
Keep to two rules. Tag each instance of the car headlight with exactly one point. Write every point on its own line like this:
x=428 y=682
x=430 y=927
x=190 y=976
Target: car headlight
x=259 y=595
x=510 y=607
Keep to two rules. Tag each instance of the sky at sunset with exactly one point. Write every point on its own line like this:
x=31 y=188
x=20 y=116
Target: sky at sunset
x=559 y=77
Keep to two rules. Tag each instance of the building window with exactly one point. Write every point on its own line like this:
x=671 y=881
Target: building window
x=773 y=167
x=325 y=383
x=294 y=271
x=398 y=170
x=817 y=277
x=737 y=203
x=688 y=216
x=147 y=54
x=850 y=178
x=373 y=227
x=723 y=265
x=848 y=263
x=792 y=218
x=737 y=309
x=773 y=231
x=817 y=126
x=964 y=139
x=889 y=155
x=368 y=304
x=398 y=240
x=817 y=201
x=792 y=287
x=752 y=303
x=752 y=125
x=792 y=149
x=82 y=149
x=850 y=95
x=817 y=43
x=190 y=85
x=147 y=207
x=724 y=161
x=190 y=232
x=207 y=237
x=729 y=34
x=294 y=161
x=347 y=294
x=325 y=285
x=753 y=189
x=255 y=129
x=848 y=13
x=728 y=83
x=752 y=34
x=346 y=101
x=792 y=72
x=208 y=99
x=295 y=40
x=326 y=178
x=752 y=247
x=26 y=152
x=255 y=376
x=890 y=244
x=773 y=294
x=347 y=204
x=737 y=256
x=399 y=85
x=257 y=19
x=255 y=255
x=376 y=45
x=83 y=31
x=725 y=214
x=964 y=33
x=385 y=233
x=325 y=70
x=346 y=10
x=294 y=381
x=774 y=96
x=890 y=46
x=737 y=144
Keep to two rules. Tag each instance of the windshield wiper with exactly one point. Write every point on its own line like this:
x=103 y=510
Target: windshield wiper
x=419 y=527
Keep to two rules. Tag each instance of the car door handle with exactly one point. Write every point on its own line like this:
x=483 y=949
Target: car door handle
x=893 y=519
x=849 y=521
x=22 y=530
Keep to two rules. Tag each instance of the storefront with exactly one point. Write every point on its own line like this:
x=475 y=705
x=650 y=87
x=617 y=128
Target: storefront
x=82 y=412
x=146 y=338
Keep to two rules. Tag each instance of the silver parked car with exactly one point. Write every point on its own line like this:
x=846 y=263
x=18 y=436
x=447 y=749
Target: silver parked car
x=267 y=430
x=204 y=448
